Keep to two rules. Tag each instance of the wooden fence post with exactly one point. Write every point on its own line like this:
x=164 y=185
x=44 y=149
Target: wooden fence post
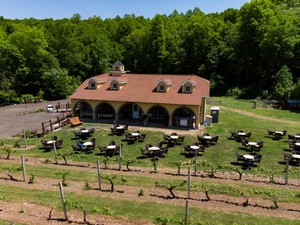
x=99 y=174
x=62 y=195
x=55 y=152
x=51 y=126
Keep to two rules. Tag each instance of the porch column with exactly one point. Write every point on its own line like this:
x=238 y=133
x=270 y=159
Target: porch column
x=94 y=114
x=170 y=122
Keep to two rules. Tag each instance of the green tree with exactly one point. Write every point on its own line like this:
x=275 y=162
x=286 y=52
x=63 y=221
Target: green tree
x=283 y=84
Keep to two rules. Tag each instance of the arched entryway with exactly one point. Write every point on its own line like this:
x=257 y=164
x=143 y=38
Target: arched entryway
x=132 y=113
x=157 y=116
x=83 y=110
x=183 y=117
x=105 y=113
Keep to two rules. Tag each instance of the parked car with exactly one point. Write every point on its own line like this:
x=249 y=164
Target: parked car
x=50 y=108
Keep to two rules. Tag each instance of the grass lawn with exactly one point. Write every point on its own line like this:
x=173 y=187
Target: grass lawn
x=219 y=157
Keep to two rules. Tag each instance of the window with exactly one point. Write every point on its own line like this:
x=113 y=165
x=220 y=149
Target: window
x=92 y=85
x=114 y=86
x=187 y=89
x=161 y=88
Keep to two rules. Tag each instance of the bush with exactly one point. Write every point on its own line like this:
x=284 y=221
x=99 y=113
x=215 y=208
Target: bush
x=234 y=92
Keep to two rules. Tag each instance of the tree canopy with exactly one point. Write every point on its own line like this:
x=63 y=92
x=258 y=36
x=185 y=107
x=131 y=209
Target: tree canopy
x=254 y=51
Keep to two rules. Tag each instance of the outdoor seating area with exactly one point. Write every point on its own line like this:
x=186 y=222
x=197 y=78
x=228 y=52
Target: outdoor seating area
x=48 y=145
x=157 y=150
x=173 y=139
x=85 y=146
x=84 y=133
x=118 y=129
x=248 y=160
x=277 y=135
x=239 y=135
x=207 y=139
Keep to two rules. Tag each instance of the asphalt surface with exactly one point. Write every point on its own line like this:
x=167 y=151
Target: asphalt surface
x=16 y=118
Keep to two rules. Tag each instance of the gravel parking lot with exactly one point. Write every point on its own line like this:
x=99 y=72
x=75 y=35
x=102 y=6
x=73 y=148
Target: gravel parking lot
x=16 y=118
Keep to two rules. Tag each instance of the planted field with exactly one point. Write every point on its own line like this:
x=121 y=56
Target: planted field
x=147 y=190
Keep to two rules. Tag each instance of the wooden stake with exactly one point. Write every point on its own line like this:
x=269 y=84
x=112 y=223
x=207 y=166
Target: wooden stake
x=62 y=195
x=120 y=160
x=99 y=174
x=25 y=141
x=287 y=170
x=55 y=152
x=23 y=168
x=189 y=182
x=186 y=220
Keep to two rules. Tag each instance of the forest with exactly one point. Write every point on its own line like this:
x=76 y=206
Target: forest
x=251 y=52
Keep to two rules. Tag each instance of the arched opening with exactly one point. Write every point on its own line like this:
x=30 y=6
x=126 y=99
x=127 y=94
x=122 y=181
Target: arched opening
x=131 y=113
x=183 y=117
x=105 y=113
x=158 y=116
x=83 y=110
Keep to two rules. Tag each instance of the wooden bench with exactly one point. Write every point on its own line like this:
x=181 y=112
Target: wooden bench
x=75 y=121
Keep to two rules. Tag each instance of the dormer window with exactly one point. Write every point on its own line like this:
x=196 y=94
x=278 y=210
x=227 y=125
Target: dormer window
x=163 y=85
x=188 y=86
x=162 y=88
x=92 y=84
x=187 y=89
x=114 y=86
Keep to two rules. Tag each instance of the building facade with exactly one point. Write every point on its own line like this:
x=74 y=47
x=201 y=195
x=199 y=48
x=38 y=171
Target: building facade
x=163 y=100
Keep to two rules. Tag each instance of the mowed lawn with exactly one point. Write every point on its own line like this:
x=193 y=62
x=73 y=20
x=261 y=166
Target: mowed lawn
x=220 y=157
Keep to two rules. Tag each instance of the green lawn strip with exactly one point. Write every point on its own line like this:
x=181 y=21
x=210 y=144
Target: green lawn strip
x=5 y=222
x=135 y=210
x=232 y=189
x=246 y=105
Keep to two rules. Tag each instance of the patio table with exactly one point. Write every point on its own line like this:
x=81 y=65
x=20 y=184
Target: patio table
x=51 y=142
x=111 y=146
x=87 y=143
x=249 y=157
x=195 y=147
x=154 y=148
x=207 y=137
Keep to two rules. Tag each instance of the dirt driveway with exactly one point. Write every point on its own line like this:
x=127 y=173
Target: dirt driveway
x=16 y=118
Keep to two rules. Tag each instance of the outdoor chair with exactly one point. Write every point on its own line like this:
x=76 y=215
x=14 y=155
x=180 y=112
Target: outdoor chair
x=233 y=135
x=270 y=132
x=118 y=149
x=165 y=150
x=145 y=152
x=248 y=135
x=91 y=131
x=214 y=140
x=76 y=148
x=113 y=130
x=44 y=143
x=77 y=134
x=54 y=138
x=129 y=137
x=112 y=143
x=292 y=145
x=166 y=137
x=187 y=148
x=159 y=145
x=148 y=146
x=180 y=140
x=257 y=158
x=59 y=143
x=110 y=152
x=244 y=143
x=240 y=158
x=102 y=149
x=142 y=137
x=291 y=137
x=79 y=143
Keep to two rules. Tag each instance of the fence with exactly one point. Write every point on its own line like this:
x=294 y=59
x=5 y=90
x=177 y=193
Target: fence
x=54 y=124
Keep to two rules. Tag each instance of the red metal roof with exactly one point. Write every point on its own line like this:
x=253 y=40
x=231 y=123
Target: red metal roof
x=142 y=88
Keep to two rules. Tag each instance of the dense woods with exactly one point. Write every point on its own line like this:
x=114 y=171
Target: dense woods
x=249 y=53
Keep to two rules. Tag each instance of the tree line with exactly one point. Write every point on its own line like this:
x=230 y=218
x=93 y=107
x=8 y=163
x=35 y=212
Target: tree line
x=253 y=52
